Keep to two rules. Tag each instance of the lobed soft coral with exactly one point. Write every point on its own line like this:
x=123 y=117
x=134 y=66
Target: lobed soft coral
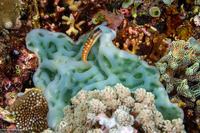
x=115 y=110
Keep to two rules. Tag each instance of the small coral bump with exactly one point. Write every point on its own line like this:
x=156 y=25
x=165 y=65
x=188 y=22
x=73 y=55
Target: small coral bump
x=75 y=6
x=166 y=77
x=96 y=106
x=81 y=96
x=8 y=25
x=149 y=99
x=167 y=126
x=158 y=118
x=123 y=118
x=169 y=87
x=193 y=69
x=172 y=61
x=162 y=67
x=154 y=12
x=183 y=89
x=139 y=94
x=144 y=116
x=121 y=91
x=178 y=126
x=168 y=2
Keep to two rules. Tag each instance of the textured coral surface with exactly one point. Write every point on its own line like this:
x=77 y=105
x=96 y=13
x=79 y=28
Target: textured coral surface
x=115 y=110
x=30 y=111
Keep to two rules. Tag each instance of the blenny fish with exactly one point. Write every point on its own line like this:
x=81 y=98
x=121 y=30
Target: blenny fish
x=89 y=43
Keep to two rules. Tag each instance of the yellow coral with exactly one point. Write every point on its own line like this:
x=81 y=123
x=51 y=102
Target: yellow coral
x=71 y=21
x=73 y=5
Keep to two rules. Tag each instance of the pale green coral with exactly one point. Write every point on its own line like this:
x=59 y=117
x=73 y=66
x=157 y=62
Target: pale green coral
x=154 y=12
x=62 y=73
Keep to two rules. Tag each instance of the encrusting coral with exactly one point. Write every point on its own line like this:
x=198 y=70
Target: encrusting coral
x=9 y=14
x=115 y=110
x=30 y=111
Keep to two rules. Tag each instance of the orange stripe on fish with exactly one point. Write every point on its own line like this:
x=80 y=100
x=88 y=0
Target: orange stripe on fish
x=88 y=44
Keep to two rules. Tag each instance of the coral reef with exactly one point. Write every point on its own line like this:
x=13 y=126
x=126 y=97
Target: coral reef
x=142 y=40
x=115 y=110
x=181 y=66
x=77 y=15
x=17 y=64
x=138 y=32
x=62 y=73
x=30 y=111
x=180 y=74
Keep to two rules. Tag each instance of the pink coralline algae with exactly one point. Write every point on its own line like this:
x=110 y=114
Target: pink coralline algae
x=17 y=65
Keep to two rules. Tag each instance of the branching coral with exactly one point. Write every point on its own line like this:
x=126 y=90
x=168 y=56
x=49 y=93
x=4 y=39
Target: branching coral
x=115 y=110
x=73 y=5
x=142 y=40
x=71 y=21
x=30 y=111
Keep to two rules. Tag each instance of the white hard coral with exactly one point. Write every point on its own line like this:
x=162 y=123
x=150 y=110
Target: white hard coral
x=115 y=111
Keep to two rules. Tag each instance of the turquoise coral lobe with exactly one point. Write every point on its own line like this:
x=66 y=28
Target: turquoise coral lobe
x=62 y=73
